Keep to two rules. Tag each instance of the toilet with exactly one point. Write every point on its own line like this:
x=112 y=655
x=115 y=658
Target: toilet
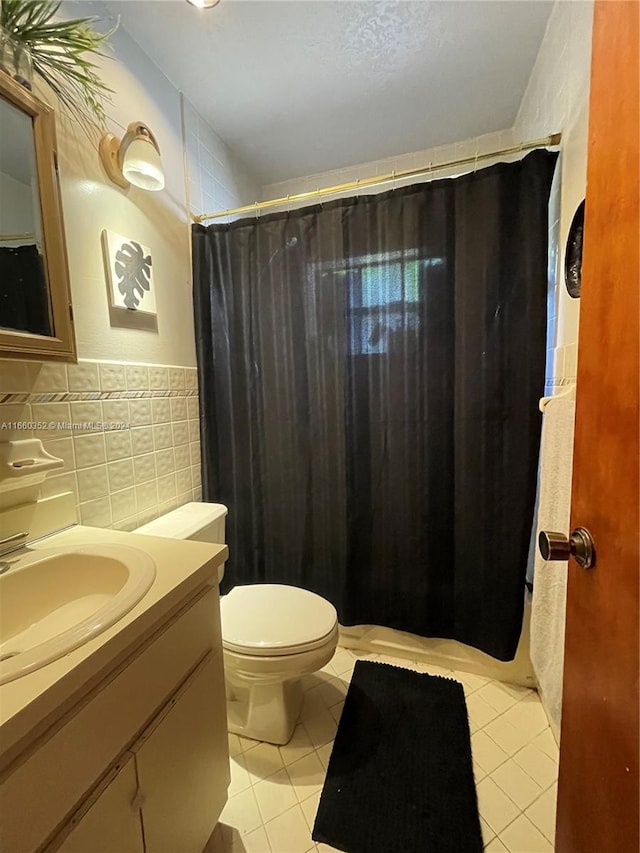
x=272 y=635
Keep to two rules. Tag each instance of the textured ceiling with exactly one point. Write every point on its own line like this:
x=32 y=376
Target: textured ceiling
x=302 y=87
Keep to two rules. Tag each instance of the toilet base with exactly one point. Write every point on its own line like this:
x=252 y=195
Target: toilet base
x=265 y=712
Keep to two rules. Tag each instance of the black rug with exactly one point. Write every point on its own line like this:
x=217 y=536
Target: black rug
x=400 y=777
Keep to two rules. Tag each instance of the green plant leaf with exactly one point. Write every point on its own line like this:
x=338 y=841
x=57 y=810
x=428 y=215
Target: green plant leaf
x=60 y=52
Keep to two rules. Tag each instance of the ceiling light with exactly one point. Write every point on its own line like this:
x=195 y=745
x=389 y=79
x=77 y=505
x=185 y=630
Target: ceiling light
x=134 y=159
x=203 y=4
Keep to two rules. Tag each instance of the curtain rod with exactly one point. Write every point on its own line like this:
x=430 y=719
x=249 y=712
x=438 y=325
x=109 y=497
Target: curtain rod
x=553 y=139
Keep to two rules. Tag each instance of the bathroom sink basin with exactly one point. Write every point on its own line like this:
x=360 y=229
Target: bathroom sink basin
x=54 y=600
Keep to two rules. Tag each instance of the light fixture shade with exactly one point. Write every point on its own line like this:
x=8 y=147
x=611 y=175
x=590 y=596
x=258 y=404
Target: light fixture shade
x=141 y=165
x=203 y=4
x=134 y=159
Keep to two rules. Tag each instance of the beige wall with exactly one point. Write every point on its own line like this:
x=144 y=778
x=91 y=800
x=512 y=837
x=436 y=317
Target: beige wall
x=161 y=220
x=133 y=374
x=92 y=203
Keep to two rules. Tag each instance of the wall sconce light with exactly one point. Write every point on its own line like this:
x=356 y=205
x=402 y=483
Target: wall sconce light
x=134 y=159
x=203 y=4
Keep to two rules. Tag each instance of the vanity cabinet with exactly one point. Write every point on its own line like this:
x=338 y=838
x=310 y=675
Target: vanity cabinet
x=138 y=765
x=182 y=764
x=109 y=821
x=164 y=794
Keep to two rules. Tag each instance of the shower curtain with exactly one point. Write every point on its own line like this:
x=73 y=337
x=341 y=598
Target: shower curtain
x=369 y=376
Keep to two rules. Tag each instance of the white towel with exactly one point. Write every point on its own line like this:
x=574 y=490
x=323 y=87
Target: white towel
x=550 y=579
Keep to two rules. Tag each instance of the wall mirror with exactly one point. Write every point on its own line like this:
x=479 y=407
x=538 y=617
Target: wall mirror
x=36 y=320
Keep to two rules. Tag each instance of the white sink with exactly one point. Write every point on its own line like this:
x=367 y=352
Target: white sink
x=54 y=600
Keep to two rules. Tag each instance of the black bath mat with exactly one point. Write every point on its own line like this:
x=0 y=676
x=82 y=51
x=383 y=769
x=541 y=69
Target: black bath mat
x=400 y=777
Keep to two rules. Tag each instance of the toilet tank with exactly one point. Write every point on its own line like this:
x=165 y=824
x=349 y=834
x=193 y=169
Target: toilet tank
x=201 y=522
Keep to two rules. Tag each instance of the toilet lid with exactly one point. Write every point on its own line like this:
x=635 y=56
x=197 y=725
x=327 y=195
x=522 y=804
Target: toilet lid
x=272 y=619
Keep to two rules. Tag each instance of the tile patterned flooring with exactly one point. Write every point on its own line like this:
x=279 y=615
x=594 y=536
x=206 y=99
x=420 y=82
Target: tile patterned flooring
x=274 y=791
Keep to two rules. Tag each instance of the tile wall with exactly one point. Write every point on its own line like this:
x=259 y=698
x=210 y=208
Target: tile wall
x=557 y=99
x=403 y=163
x=121 y=477
x=216 y=179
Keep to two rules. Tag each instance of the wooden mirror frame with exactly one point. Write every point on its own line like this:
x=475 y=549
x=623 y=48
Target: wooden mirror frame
x=61 y=346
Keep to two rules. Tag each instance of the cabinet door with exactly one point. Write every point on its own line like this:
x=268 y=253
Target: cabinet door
x=111 y=822
x=183 y=765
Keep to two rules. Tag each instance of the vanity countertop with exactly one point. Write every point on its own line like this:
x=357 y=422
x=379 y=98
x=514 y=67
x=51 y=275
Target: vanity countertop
x=28 y=705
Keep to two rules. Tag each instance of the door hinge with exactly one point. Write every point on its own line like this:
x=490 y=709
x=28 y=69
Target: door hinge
x=71 y=312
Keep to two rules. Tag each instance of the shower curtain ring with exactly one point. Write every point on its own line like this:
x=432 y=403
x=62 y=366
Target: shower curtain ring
x=257 y=210
x=475 y=163
x=430 y=175
x=393 y=178
x=288 y=203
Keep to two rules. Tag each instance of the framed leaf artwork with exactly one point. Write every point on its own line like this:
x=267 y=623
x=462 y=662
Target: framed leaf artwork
x=129 y=268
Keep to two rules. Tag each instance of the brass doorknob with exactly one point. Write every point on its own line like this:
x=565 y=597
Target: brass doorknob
x=556 y=546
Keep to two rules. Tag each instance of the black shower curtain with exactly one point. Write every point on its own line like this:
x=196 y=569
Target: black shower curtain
x=369 y=377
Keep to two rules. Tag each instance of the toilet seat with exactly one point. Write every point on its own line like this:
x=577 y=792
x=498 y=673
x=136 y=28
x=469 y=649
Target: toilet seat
x=273 y=620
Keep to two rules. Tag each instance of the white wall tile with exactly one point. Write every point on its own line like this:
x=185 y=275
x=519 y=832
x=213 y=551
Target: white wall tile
x=118 y=444
x=161 y=410
x=96 y=513
x=146 y=496
x=88 y=413
x=89 y=450
x=158 y=378
x=116 y=411
x=165 y=462
x=162 y=436
x=180 y=432
x=112 y=377
x=123 y=505
x=144 y=468
x=140 y=412
x=92 y=483
x=178 y=408
x=167 y=488
x=137 y=378
x=120 y=475
x=141 y=440
x=183 y=480
x=176 y=378
x=83 y=376
x=50 y=377
x=14 y=377
x=182 y=456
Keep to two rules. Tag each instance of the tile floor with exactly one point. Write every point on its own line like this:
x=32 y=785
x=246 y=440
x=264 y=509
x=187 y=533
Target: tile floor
x=274 y=791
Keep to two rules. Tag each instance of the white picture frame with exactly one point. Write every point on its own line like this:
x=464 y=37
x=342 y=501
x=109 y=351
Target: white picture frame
x=129 y=273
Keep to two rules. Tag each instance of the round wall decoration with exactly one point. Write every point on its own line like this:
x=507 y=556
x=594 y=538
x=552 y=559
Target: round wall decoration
x=573 y=253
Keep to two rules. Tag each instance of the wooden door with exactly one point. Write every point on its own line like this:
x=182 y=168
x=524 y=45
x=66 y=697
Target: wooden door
x=598 y=785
